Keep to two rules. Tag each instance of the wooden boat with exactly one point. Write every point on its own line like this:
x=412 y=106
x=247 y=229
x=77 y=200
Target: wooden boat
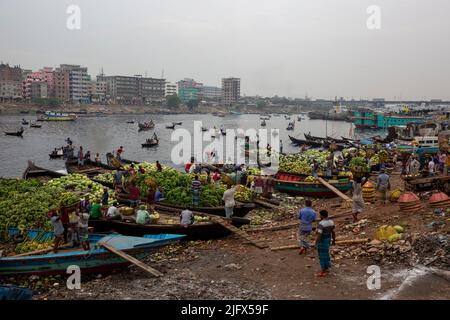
x=240 y=210
x=309 y=137
x=178 y=123
x=97 y=259
x=306 y=142
x=131 y=122
x=349 y=140
x=34 y=125
x=170 y=126
x=127 y=161
x=287 y=117
x=16 y=134
x=295 y=185
x=204 y=129
x=168 y=224
x=25 y=123
x=90 y=168
x=223 y=132
x=150 y=144
x=263 y=123
x=43 y=175
x=146 y=126
x=290 y=127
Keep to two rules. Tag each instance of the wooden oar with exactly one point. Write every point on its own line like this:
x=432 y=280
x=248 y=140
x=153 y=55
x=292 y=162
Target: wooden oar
x=336 y=191
x=131 y=259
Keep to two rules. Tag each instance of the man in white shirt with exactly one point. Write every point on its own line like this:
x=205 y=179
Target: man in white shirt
x=113 y=212
x=431 y=167
x=186 y=217
x=228 y=198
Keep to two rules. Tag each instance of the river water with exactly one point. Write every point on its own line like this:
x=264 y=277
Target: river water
x=104 y=134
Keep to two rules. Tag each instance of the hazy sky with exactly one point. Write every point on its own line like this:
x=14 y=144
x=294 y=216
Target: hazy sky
x=284 y=47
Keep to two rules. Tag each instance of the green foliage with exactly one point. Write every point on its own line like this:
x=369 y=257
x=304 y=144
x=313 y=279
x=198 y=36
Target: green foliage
x=173 y=101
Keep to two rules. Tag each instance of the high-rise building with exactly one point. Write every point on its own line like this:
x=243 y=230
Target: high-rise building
x=211 y=92
x=170 y=89
x=72 y=83
x=10 y=83
x=134 y=89
x=231 y=90
x=189 y=90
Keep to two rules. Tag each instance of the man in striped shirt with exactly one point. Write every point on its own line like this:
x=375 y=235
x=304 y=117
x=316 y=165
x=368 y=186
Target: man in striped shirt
x=196 y=186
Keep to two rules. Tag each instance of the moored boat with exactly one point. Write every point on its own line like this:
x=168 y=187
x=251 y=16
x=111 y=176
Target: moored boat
x=43 y=175
x=146 y=125
x=306 y=142
x=90 y=168
x=97 y=259
x=296 y=185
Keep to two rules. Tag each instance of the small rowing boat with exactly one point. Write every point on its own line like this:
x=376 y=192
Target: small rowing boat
x=43 y=175
x=16 y=134
x=97 y=259
x=151 y=143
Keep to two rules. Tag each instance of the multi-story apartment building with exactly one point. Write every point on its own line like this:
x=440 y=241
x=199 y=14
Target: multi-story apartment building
x=38 y=89
x=134 y=89
x=10 y=83
x=170 y=89
x=231 y=90
x=210 y=92
x=45 y=76
x=189 y=89
x=72 y=83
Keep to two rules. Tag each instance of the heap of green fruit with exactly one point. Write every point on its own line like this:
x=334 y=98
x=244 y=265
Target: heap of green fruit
x=28 y=246
x=81 y=184
x=200 y=219
x=25 y=203
x=243 y=194
x=300 y=163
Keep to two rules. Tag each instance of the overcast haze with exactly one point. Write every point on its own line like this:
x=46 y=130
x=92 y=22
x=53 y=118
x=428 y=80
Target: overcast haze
x=283 y=47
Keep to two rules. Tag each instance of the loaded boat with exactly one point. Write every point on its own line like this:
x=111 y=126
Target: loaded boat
x=297 y=185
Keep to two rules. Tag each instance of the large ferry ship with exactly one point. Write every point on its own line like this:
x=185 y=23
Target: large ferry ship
x=57 y=116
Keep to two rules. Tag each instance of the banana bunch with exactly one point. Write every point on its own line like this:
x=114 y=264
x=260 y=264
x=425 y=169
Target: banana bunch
x=310 y=179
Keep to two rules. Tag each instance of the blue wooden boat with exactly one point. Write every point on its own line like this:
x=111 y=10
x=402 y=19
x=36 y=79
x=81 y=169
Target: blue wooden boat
x=10 y=292
x=97 y=259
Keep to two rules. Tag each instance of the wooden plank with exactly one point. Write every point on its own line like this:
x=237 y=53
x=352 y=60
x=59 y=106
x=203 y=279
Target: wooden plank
x=131 y=259
x=224 y=223
x=342 y=242
x=336 y=191
x=282 y=227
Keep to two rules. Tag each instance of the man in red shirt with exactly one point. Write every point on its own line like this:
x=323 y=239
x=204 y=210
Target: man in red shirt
x=119 y=152
x=134 y=195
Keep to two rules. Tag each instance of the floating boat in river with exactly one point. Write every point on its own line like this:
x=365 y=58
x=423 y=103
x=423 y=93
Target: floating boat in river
x=149 y=144
x=57 y=116
x=146 y=125
x=24 y=122
x=170 y=126
x=16 y=133
x=97 y=259
x=296 y=185
x=300 y=142
x=34 y=125
x=43 y=175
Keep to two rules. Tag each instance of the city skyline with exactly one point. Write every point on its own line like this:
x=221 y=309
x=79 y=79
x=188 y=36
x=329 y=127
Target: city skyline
x=321 y=49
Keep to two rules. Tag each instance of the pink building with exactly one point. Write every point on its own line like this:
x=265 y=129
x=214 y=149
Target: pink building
x=45 y=75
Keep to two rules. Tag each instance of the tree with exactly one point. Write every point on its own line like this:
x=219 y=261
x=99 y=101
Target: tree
x=173 y=101
x=261 y=104
x=191 y=104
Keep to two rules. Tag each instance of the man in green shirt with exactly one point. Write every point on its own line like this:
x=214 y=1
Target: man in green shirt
x=96 y=210
x=142 y=215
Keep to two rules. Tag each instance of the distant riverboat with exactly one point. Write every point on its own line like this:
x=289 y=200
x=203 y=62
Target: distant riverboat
x=57 y=116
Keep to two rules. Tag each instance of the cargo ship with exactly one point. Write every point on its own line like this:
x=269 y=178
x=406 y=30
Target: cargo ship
x=57 y=116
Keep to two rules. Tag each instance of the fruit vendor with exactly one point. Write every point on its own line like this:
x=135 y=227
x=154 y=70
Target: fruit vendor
x=105 y=198
x=83 y=230
x=119 y=153
x=325 y=237
x=113 y=212
x=96 y=209
x=186 y=217
x=306 y=216
x=383 y=185
x=158 y=166
x=358 y=201
x=118 y=179
x=314 y=169
x=80 y=157
x=142 y=215
x=195 y=187
x=134 y=195
x=58 y=230
x=228 y=199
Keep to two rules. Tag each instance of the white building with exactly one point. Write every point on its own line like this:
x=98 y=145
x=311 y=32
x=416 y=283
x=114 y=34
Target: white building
x=170 y=89
x=210 y=92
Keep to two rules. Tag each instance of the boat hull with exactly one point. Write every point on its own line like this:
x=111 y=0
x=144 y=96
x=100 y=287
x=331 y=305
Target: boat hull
x=310 y=189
